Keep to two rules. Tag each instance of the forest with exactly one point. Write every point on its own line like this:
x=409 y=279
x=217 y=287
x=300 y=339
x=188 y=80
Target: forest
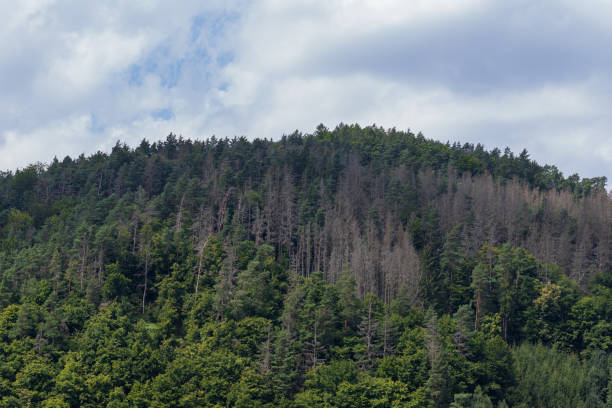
x=353 y=267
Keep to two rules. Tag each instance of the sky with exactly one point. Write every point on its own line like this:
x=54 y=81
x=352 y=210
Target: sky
x=76 y=77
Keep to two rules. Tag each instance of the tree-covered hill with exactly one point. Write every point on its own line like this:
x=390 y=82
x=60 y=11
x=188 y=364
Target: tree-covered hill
x=353 y=267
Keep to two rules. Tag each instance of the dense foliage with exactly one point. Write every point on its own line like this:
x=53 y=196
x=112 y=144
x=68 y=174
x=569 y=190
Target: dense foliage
x=349 y=268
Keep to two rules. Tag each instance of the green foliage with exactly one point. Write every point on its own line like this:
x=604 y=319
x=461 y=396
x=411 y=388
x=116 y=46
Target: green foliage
x=261 y=287
x=115 y=283
x=346 y=268
x=549 y=378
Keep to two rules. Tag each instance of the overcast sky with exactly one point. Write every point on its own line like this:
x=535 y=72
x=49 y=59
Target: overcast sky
x=78 y=76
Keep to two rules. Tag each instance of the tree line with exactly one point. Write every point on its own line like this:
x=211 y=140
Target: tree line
x=348 y=267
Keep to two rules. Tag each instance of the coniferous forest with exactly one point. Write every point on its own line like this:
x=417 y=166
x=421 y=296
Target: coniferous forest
x=354 y=267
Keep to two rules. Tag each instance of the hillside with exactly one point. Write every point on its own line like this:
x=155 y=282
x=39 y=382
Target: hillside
x=349 y=267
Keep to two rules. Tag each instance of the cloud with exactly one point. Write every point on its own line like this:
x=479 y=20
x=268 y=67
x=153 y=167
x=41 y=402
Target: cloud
x=66 y=60
x=64 y=135
x=505 y=74
x=78 y=77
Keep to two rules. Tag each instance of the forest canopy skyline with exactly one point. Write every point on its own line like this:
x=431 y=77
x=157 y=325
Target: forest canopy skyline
x=353 y=267
x=77 y=79
x=575 y=183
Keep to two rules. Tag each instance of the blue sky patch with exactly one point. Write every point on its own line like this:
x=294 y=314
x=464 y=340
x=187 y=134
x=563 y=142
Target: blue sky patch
x=164 y=114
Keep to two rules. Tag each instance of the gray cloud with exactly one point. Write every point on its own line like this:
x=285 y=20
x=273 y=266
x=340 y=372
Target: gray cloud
x=512 y=46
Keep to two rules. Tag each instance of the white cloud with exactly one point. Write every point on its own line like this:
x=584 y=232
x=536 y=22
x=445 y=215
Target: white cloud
x=59 y=138
x=77 y=77
x=281 y=37
x=91 y=59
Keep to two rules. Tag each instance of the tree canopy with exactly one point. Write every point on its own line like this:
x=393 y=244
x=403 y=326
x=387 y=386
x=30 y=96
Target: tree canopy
x=354 y=267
